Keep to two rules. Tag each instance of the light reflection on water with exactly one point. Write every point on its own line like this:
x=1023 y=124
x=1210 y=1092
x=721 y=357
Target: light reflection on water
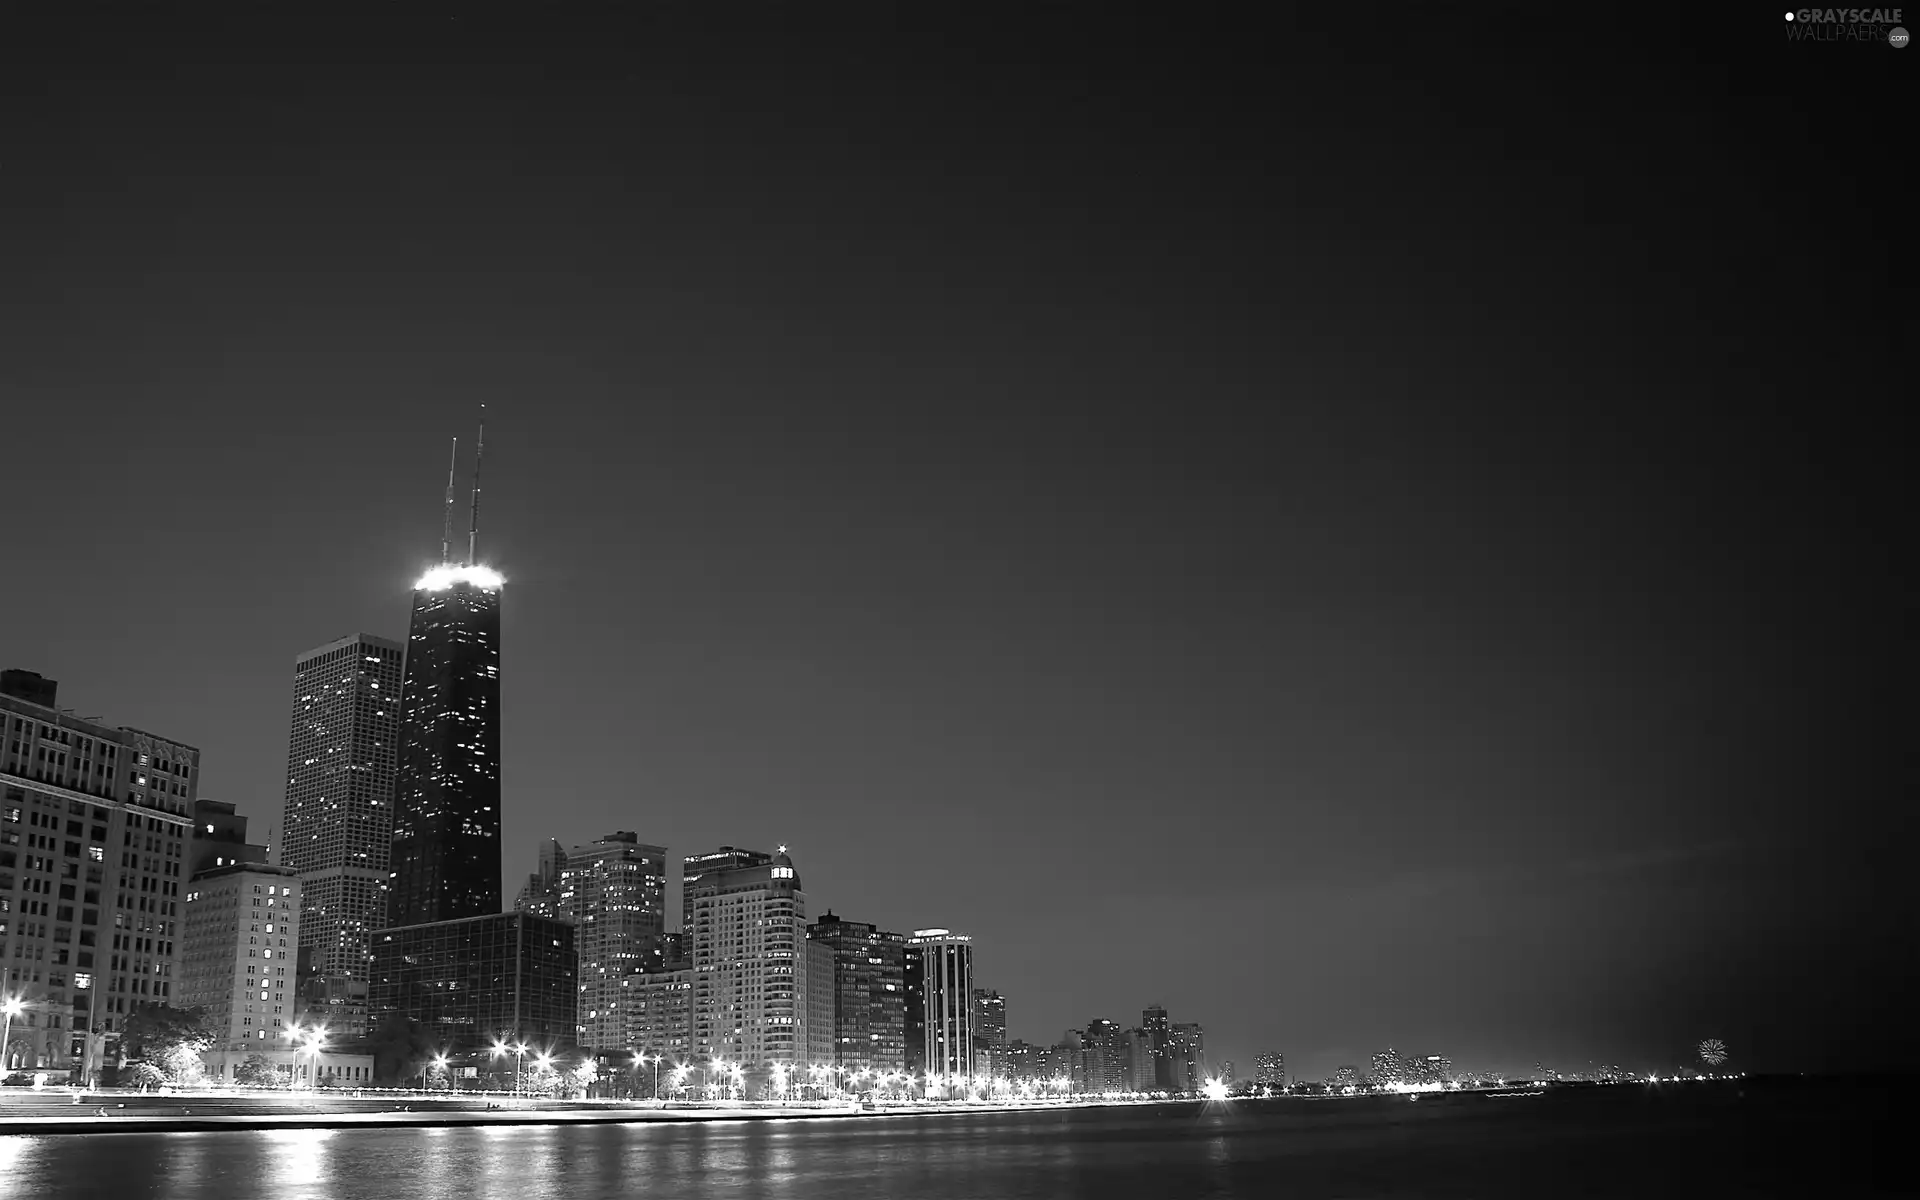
x=1345 y=1148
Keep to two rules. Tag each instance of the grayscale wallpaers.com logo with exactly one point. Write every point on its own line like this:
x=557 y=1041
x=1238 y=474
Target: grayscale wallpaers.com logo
x=1847 y=25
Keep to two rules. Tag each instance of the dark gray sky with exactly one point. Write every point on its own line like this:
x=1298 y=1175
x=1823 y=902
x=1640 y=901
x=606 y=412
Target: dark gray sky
x=1380 y=538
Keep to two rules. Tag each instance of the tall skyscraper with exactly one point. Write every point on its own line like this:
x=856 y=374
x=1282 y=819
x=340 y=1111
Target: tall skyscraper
x=95 y=835
x=1187 y=1045
x=1159 y=1030
x=336 y=826
x=446 y=819
x=1105 y=1057
x=869 y=988
x=750 y=986
x=990 y=1033
x=613 y=892
x=940 y=1021
x=1140 y=1061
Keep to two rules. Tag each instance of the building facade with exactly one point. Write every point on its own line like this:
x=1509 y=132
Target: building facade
x=336 y=824
x=869 y=995
x=1426 y=1069
x=1187 y=1046
x=220 y=838
x=95 y=837
x=239 y=963
x=659 y=1014
x=1104 y=1057
x=990 y=1033
x=613 y=892
x=471 y=982
x=696 y=867
x=540 y=895
x=1140 y=1061
x=750 y=983
x=820 y=1007
x=445 y=858
x=1387 y=1068
x=940 y=1016
x=1159 y=1030
x=1270 y=1070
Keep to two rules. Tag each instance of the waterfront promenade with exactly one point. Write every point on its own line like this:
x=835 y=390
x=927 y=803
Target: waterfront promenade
x=63 y=1111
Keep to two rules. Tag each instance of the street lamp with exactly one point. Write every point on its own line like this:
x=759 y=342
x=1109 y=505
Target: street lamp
x=440 y=1060
x=656 y=1077
x=12 y=1008
x=543 y=1060
x=519 y=1070
x=316 y=1042
x=499 y=1049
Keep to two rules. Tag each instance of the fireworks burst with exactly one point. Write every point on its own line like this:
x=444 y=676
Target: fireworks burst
x=1713 y=1052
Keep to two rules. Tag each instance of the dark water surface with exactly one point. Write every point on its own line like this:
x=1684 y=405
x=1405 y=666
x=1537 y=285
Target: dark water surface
x=1758 y=1138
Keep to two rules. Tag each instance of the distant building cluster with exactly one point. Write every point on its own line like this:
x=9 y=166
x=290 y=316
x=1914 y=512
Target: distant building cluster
x=1158 y=1055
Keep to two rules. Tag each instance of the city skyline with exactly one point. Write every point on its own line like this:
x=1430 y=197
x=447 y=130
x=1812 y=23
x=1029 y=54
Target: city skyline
x=1408 y=540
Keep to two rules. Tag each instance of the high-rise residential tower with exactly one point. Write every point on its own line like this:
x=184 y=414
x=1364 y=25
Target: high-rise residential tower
x=869 y=1002
x=1188 y=1045
x=750 y=986
x=1140 y=1061
x=1106 y=1056
x=1159 y=1031
x=696 y=867
x=1387 y=1068
x=446 y=813
x=1270 y=1069
x=613 y=892
x=990 y=1033
x=940 y=1014
x=336 y=827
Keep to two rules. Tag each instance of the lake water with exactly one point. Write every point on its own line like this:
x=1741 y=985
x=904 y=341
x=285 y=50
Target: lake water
x=1756 y=1138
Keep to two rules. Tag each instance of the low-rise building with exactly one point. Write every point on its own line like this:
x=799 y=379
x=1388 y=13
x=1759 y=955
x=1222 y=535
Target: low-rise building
x=477 y=980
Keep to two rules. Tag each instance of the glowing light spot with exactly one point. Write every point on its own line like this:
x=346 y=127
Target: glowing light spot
x=1216 y=1089
x=439 y=579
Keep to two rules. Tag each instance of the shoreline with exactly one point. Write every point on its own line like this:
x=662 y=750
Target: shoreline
x=189 y=1120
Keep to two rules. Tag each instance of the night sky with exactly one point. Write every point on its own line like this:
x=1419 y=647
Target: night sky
x=1364 y=537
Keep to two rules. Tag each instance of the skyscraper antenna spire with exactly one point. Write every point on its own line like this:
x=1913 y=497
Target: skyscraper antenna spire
x=446 y=528
x=473 y=512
